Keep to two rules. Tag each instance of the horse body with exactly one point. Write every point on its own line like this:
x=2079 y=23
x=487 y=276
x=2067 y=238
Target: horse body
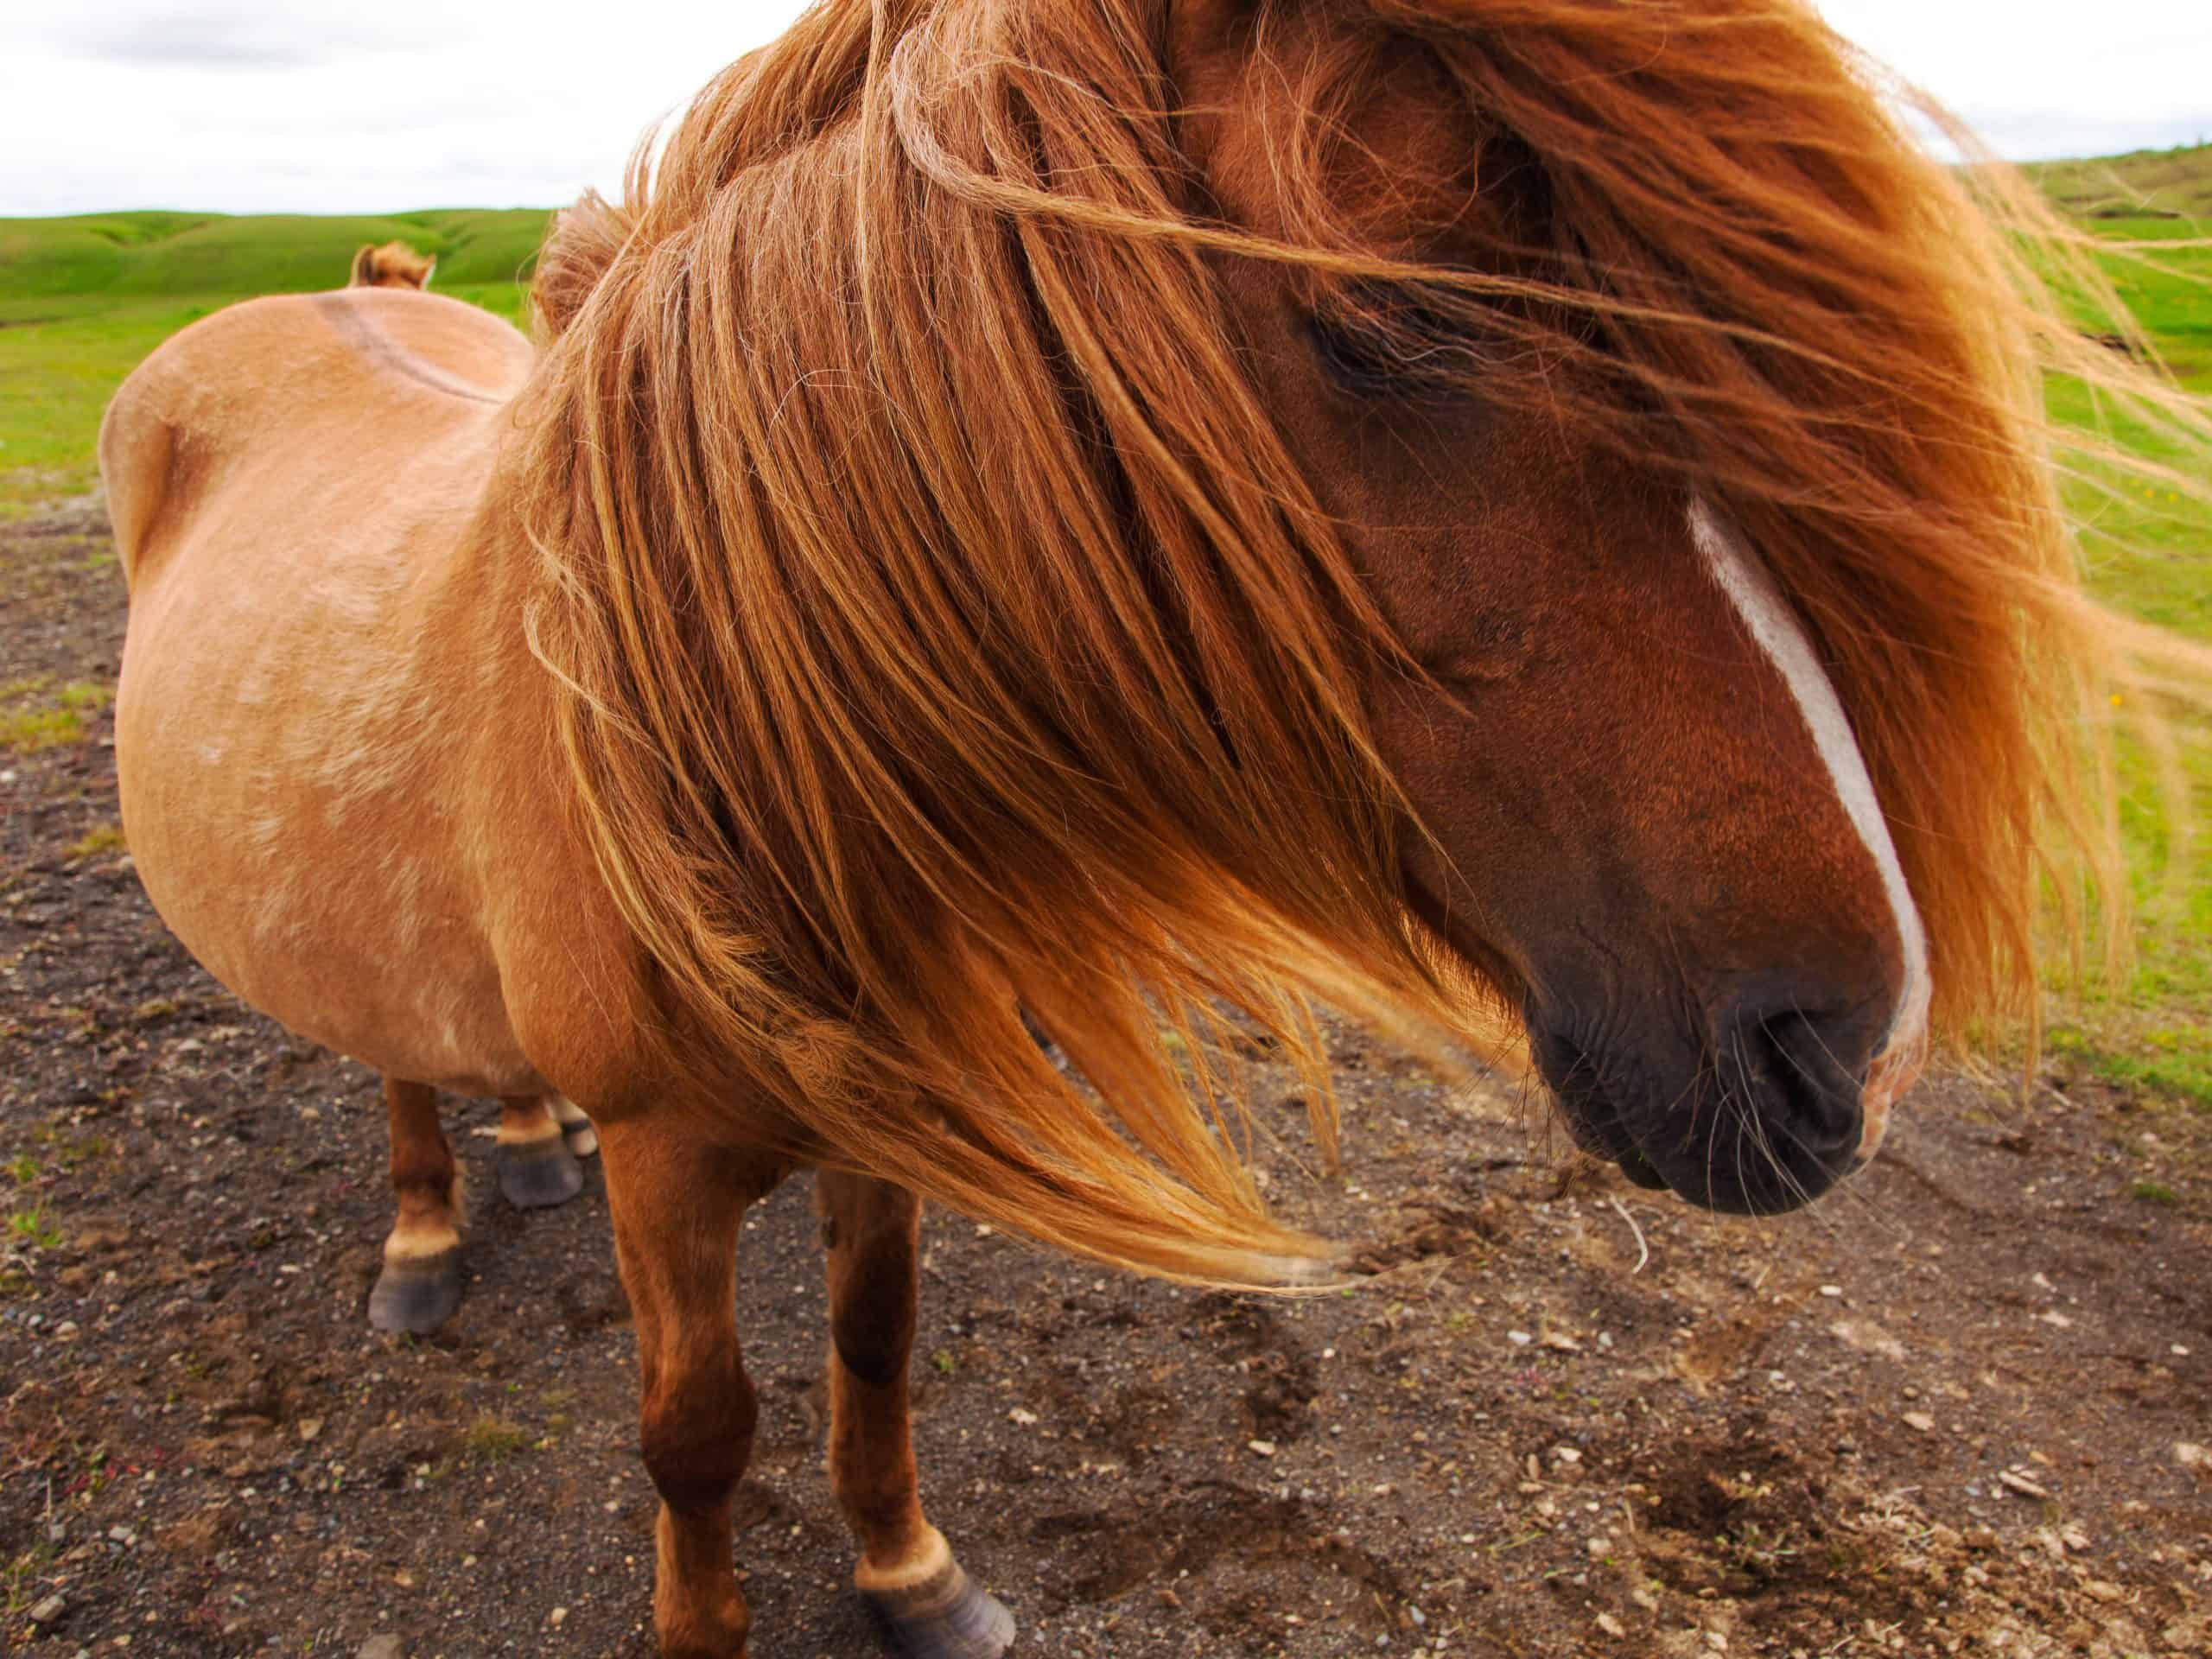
x=312 y=801
x=342 y=816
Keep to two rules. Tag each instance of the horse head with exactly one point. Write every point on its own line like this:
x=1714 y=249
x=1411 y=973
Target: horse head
x=393 y=265
x=1462 y=506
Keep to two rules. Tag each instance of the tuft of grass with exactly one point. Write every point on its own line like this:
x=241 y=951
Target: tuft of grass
x=99 y=839
x=32 y=1228
x=492 y=1439
x=48 y=724
x=28 y=731
x=2155 y=1193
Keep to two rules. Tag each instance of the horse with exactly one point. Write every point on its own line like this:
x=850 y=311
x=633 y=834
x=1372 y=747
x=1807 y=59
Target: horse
x=396 y=264
x=1527 y=519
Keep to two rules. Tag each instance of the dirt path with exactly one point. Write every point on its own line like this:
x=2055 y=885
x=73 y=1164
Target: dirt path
x=1941 y=1417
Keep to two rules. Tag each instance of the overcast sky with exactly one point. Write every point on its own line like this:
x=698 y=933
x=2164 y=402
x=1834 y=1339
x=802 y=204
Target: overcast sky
x=253 y=106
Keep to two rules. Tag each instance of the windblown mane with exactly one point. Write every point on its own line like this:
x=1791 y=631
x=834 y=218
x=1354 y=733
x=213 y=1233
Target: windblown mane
x=945 y=627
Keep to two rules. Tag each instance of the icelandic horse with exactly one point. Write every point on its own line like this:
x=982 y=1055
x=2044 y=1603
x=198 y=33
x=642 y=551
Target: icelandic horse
x=396 y=264
x=1532 y=519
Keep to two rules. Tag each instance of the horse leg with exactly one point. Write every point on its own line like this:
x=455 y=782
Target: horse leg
x=420 y=1285
x=536 y=1166
x=576 y=1127
x=925 y=1605
x=677 y=1207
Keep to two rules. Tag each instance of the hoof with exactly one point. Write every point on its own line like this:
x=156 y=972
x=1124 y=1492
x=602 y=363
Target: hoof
x=945 y=1616
x=414 y=1297
x=539 y=1173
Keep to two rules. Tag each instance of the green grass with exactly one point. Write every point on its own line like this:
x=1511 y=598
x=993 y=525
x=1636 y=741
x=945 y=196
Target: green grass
x=29 y=722
x=83 y=299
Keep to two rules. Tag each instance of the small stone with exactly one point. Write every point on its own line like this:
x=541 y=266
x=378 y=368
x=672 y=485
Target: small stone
x=2053 y=1317
x=1600 y=1547
x=1921 y=1421
x=1264 y=1448
x=310 y=1428
x=382 y=1647
x=48 y=1611
x=1717 y=1642
x=557 y=1617
x=1868 y=1337
x=2191 y=1456
x=1519 y=1338
x=1831 y=1292
x=2179 y=1350
x=1020 y=1414
x=2099 y=1589
x=1566 y=1454
x=1643 y=1598
x=1611 y=1626
x=1561 y=1342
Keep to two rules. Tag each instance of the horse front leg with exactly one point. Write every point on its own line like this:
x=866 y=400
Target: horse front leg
x=677 y=1207
x=925 y=1605
x=420 y=1285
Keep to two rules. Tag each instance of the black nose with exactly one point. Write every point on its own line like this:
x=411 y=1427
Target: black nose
x=1758 y=1114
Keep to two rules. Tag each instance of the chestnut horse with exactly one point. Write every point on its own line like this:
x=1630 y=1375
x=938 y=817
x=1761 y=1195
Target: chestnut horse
x=393 y=265
x=1511 y=515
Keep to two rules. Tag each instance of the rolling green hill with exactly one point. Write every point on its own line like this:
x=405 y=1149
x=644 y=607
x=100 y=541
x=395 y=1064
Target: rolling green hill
x=2142 y=184
x=137 y=255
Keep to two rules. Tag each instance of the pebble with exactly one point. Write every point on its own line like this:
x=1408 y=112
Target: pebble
x=557 y=1617
x=48 y=1611
x=311 y=1428
x=2191 y=1456
x=1519 y=1338
x=1566 y=1454
x=1611 y=1626
x=1264 y=1448
x=1921 y=1421
x=1025 y=1418
x=1831 y=1292
x=382 y=1647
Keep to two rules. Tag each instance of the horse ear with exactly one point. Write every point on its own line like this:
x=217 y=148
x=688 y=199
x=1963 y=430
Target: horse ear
x=364 y=266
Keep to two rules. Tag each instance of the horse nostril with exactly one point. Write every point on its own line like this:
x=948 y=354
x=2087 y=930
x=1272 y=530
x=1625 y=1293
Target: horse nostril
x=1801 y=1074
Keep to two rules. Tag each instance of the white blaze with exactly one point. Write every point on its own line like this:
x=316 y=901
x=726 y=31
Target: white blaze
x=1775 y=627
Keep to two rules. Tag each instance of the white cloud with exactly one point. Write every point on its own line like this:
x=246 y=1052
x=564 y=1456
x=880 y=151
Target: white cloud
x=294 y=105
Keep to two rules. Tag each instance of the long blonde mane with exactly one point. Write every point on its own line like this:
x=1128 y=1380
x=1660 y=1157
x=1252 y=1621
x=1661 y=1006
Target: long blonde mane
x=944 y=628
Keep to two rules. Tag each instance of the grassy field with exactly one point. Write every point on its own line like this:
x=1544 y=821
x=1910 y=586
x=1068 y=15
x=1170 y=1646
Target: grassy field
x=83 y=299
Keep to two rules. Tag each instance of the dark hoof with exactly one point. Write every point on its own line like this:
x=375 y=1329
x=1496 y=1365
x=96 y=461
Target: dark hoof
x=539 y=1174
x=947 y=1618
x=415 y=1297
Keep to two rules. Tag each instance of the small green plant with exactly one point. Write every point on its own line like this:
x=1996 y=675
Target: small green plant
x=32 y=1227
x=22 y=1169
x=28 y=731
x=101 y=838
x=2155 y=1193
x=493 y=1439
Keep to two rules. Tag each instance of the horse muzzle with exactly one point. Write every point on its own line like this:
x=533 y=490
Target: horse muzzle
x=1761 y=1112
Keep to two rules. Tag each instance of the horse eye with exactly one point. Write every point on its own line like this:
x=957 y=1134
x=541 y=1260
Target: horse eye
x=1401 y=349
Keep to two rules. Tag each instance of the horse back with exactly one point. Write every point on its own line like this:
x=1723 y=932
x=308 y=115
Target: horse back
x=354 y=381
